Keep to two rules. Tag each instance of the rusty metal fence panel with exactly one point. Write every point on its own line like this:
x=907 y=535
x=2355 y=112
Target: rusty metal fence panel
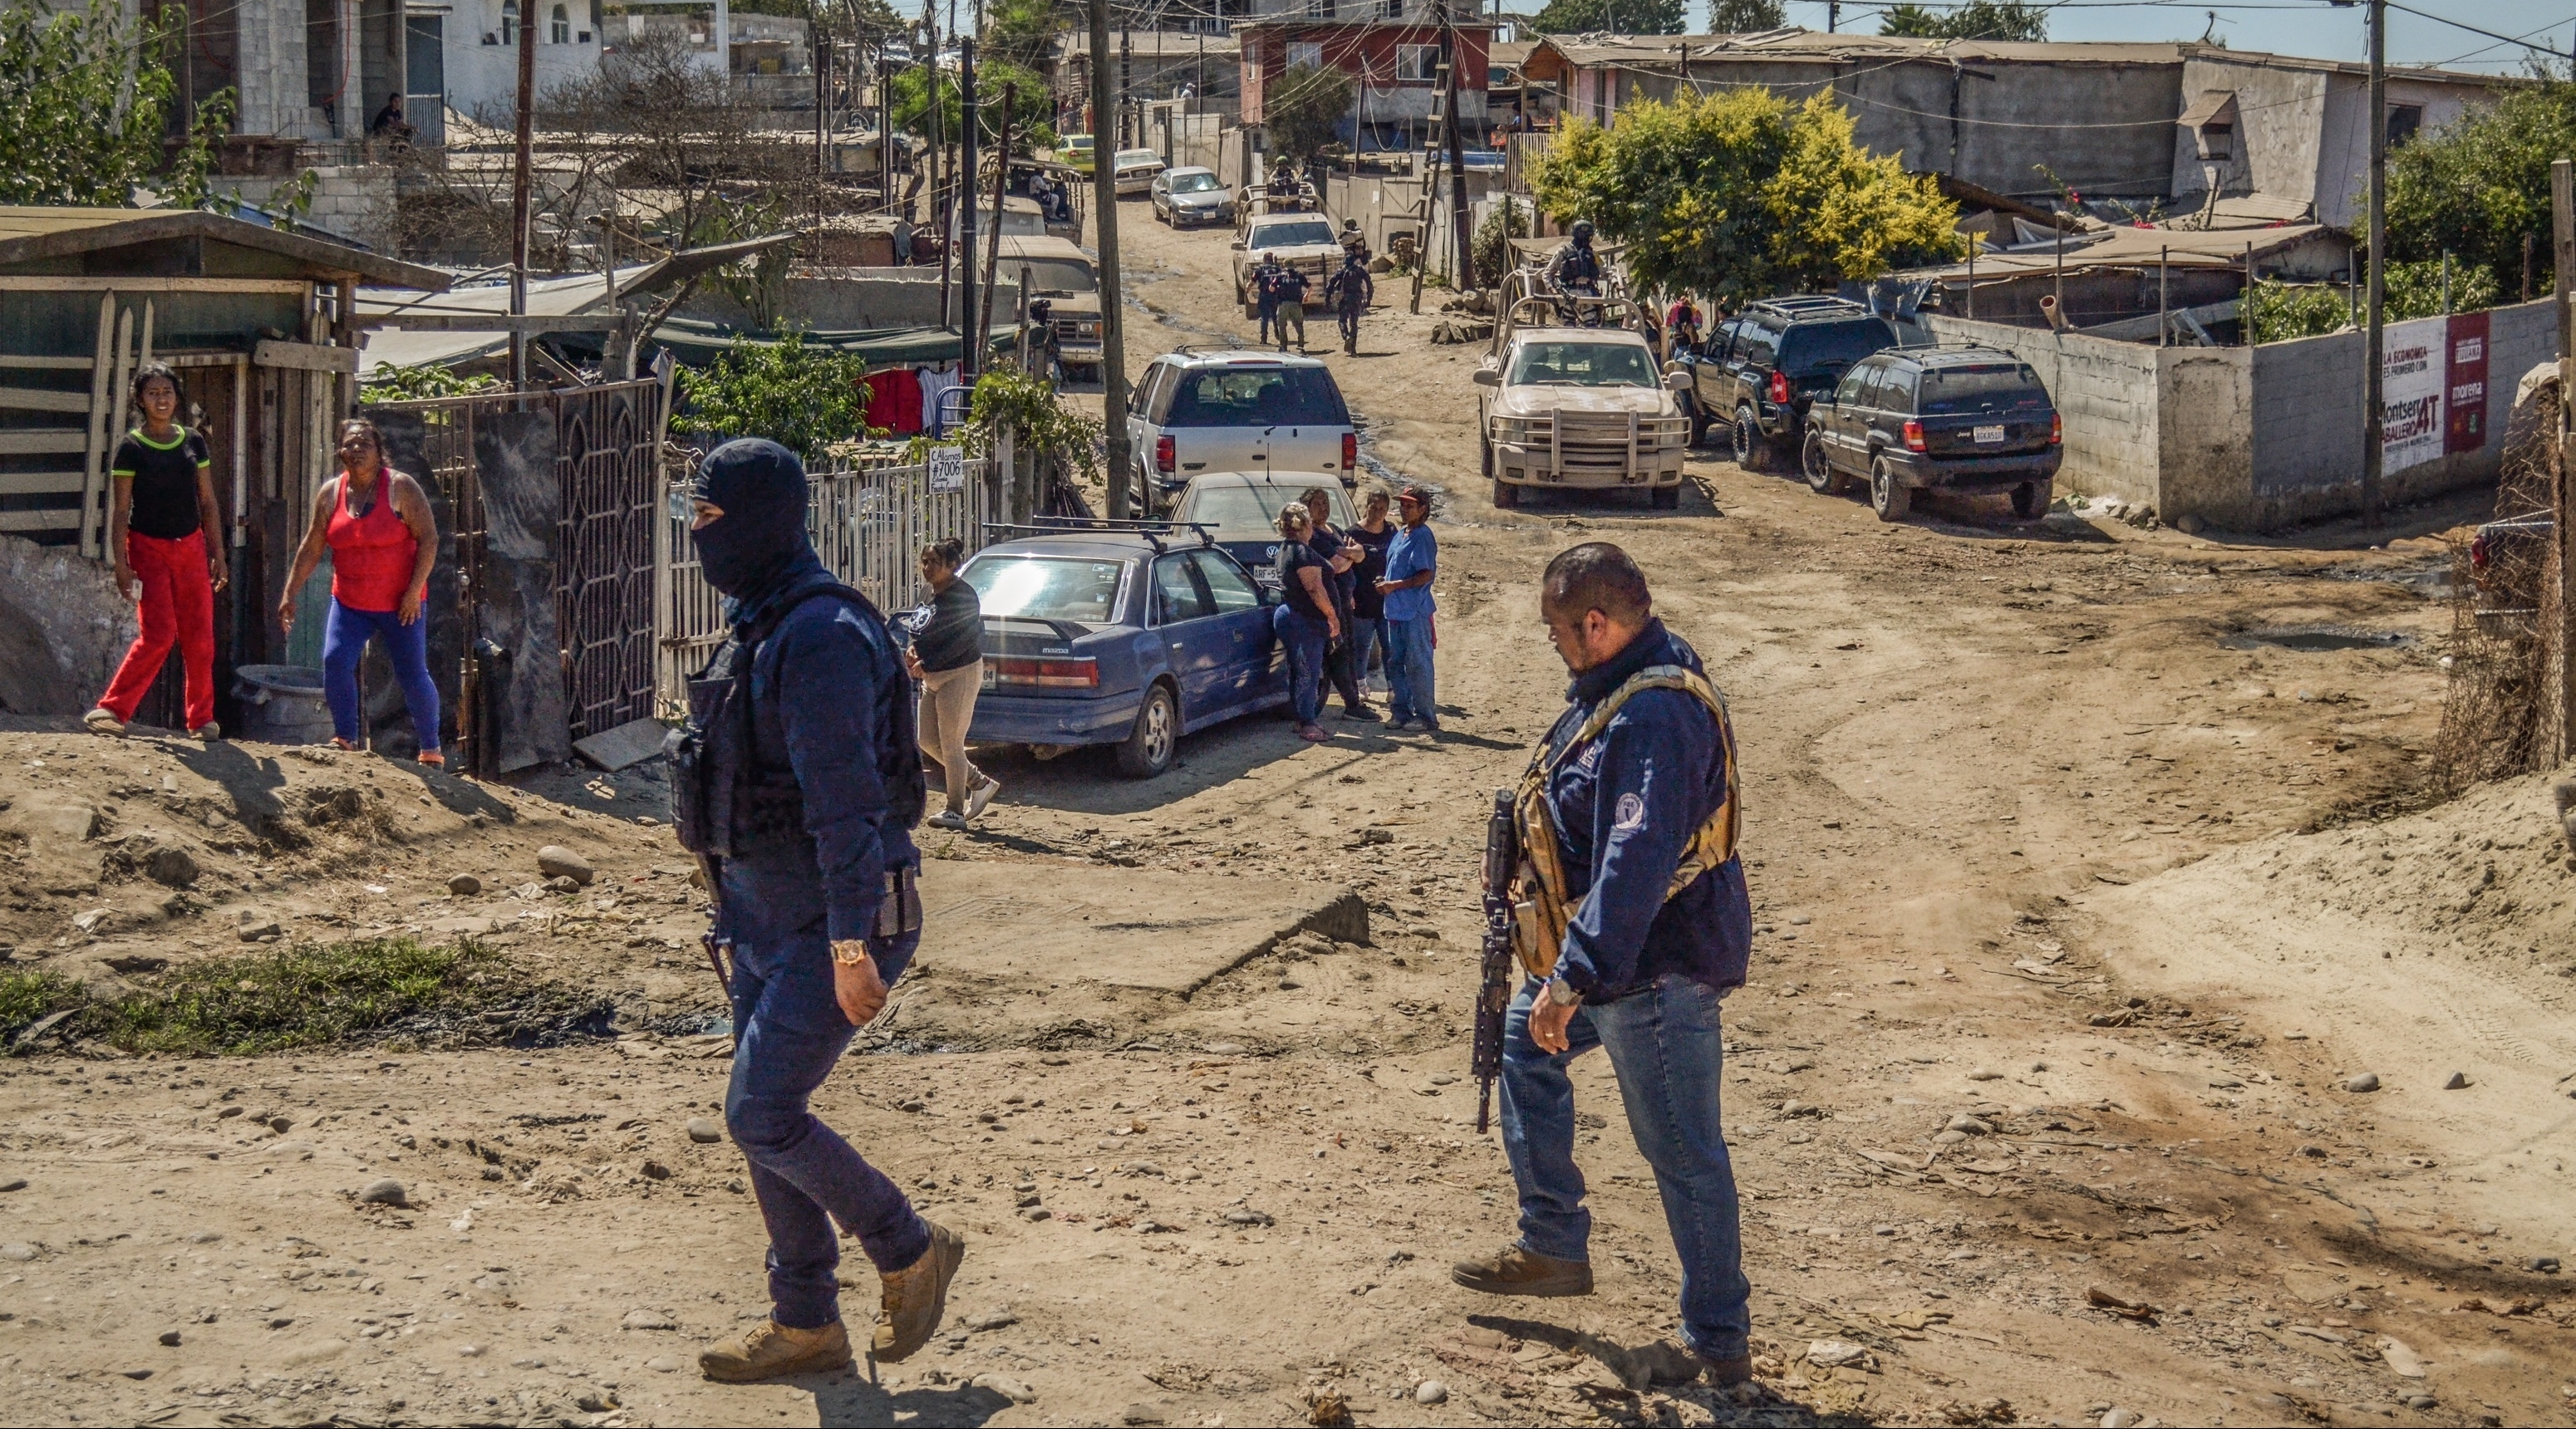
x=868 y=524
x=605 y=568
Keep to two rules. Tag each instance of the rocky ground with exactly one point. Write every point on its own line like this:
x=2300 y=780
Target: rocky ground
x=2081 y=917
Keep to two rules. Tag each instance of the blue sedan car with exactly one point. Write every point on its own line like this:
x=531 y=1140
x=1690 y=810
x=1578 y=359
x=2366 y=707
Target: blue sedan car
x=1125 y=637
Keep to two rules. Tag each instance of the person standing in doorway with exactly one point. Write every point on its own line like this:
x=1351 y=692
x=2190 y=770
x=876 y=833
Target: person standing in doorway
x=165 y=534
x=1412 y=563
x=376 y=523
x=1304 y=618
x=1637 y=925
x=947 y=657
x=1372 y=535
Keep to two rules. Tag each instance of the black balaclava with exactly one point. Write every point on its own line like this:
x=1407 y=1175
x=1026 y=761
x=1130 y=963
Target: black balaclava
x=759 y=543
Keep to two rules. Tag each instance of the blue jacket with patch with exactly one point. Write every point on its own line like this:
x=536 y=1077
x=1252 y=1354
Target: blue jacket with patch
x=1625 y=809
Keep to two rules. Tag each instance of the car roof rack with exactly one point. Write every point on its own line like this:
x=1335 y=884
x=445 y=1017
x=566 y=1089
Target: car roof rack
x=1152 y=531
x=1801 y=303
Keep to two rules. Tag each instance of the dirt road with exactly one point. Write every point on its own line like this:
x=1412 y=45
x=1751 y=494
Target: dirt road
x=2076 y=911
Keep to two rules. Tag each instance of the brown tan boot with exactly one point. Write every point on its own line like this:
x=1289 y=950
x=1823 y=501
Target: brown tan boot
x=1522 y=1271
x=916 y=1296
x=772 y=1351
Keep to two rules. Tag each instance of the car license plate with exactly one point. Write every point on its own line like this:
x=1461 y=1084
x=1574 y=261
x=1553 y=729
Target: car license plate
x=1990 y=436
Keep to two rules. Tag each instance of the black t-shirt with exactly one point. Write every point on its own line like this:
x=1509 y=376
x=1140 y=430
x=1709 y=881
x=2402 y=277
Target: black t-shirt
x=1366 y=603
x=1295 y=556
x=953 y=637
x=165 y=482
x=1290 y=286
x=1326 y=544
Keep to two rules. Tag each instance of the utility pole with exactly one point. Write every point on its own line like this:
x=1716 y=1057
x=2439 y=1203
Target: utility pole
x=971 y=347
x=1001 y=187
x=519 y=193
x=1465 y=241
x=1113 y=338
x=2374 y=333
x=1833 y=16
x=2560 y=644
x=822 y=49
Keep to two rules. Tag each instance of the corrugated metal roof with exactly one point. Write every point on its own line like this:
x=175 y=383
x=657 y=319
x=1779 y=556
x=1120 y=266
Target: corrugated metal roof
x=31 y=235
x=2139 y=248
x=1821 y=47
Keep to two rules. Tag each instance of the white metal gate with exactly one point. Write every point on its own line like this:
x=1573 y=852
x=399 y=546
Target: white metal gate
x=868 y=525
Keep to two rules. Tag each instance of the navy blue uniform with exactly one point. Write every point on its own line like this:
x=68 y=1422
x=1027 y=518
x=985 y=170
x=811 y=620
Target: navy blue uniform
x=808 y=803
x=1651 y=972
x=1626 y=808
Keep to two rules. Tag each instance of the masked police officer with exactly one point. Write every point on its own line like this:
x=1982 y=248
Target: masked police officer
x=797 y=783
x=1632 y=923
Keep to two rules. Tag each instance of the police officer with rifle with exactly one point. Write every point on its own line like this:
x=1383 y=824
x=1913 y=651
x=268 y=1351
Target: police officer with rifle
x=1614 y=899
x=797 y=783
x=1574 y=270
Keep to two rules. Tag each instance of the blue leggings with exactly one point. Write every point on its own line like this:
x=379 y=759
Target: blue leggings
x=344 y=639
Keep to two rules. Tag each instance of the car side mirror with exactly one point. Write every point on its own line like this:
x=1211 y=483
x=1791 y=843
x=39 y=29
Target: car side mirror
x=1236 y=245
x=1677 y=380
x=1486 y=377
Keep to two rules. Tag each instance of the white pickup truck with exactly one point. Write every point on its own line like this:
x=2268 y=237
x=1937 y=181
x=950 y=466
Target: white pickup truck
x=1572 y=406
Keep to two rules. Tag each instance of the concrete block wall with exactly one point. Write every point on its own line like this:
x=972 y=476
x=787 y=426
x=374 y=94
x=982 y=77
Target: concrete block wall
x=2307 y=416
x=354 y=200
x=2107 y=393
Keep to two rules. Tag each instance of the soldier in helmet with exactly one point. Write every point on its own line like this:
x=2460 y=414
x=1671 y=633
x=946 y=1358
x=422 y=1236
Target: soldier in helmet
x=1575 y=272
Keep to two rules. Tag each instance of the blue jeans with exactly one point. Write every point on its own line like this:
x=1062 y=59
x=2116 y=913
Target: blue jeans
x=1368 y=645
x=1303 y=637
x=344 y=641
x=790 y=1031
x=1408 y=671
x=1664 y=1046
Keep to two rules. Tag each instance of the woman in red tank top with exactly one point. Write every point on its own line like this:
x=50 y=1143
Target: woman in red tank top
x=377 y=525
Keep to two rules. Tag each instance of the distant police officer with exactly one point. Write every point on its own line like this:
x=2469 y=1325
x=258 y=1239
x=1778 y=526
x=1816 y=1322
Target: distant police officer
x=797 y=783
x=1575 y=271
x=1349 y=291
x=1632 y=922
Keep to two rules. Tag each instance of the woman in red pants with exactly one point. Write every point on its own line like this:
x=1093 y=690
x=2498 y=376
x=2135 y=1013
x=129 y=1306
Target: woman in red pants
x=165 y=532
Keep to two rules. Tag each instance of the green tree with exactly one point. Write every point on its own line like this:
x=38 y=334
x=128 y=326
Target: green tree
x=1303 y=109
x=1021 y=31
x=1739 y=194
x=1976 y=20
x=1624 y=17
x=803 y=398
x=1745 y=17
x=2476 y=187
x=85 y=100
x=1492 y=249
x=1032 y=110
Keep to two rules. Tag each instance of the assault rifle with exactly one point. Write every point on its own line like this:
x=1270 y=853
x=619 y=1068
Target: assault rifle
x=1494 y=992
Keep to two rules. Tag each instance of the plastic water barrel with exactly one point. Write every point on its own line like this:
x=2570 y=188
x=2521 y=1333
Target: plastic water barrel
x=282 y=704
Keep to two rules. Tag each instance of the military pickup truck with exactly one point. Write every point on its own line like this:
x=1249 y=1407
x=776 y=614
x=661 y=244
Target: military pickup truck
x=1573 y=400
x=1063 y=277
x=1304 y=241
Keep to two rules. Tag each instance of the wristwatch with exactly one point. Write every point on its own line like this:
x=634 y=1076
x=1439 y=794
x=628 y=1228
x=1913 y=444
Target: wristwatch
x=1562 y=994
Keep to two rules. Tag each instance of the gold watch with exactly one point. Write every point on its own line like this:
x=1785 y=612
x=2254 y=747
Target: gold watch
x=850 y=952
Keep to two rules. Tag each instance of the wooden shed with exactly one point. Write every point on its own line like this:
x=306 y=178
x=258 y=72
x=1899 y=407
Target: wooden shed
x=260 y=326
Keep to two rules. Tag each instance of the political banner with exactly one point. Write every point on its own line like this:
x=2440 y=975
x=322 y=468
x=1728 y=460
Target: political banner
x=2414 y=361
x=2464 y=392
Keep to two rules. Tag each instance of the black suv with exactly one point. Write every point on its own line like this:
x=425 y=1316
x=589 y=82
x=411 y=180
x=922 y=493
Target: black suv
x=1761 y=369
x=1957 y=418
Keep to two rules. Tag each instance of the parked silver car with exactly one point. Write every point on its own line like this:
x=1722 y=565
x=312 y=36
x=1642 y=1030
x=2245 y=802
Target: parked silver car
x=1184 y=198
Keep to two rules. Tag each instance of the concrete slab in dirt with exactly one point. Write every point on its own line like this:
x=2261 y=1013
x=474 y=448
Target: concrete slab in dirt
x=1160 y=932
x=630 y=743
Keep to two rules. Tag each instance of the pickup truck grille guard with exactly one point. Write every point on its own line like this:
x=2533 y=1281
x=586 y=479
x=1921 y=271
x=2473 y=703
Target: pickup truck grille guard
x=1626 y=444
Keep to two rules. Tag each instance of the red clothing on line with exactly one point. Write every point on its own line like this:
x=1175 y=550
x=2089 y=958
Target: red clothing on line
x=894 y=400
x=178 y=608
x=372 y=555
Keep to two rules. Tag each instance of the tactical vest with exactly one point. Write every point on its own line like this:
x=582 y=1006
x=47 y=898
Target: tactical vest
x=1541 y=910
x=724 y=801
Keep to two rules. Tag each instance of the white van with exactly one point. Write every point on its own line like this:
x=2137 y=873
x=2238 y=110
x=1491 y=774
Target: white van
x=1236 y=410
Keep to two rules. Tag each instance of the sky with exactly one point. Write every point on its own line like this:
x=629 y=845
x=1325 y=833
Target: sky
x=2291 y=27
